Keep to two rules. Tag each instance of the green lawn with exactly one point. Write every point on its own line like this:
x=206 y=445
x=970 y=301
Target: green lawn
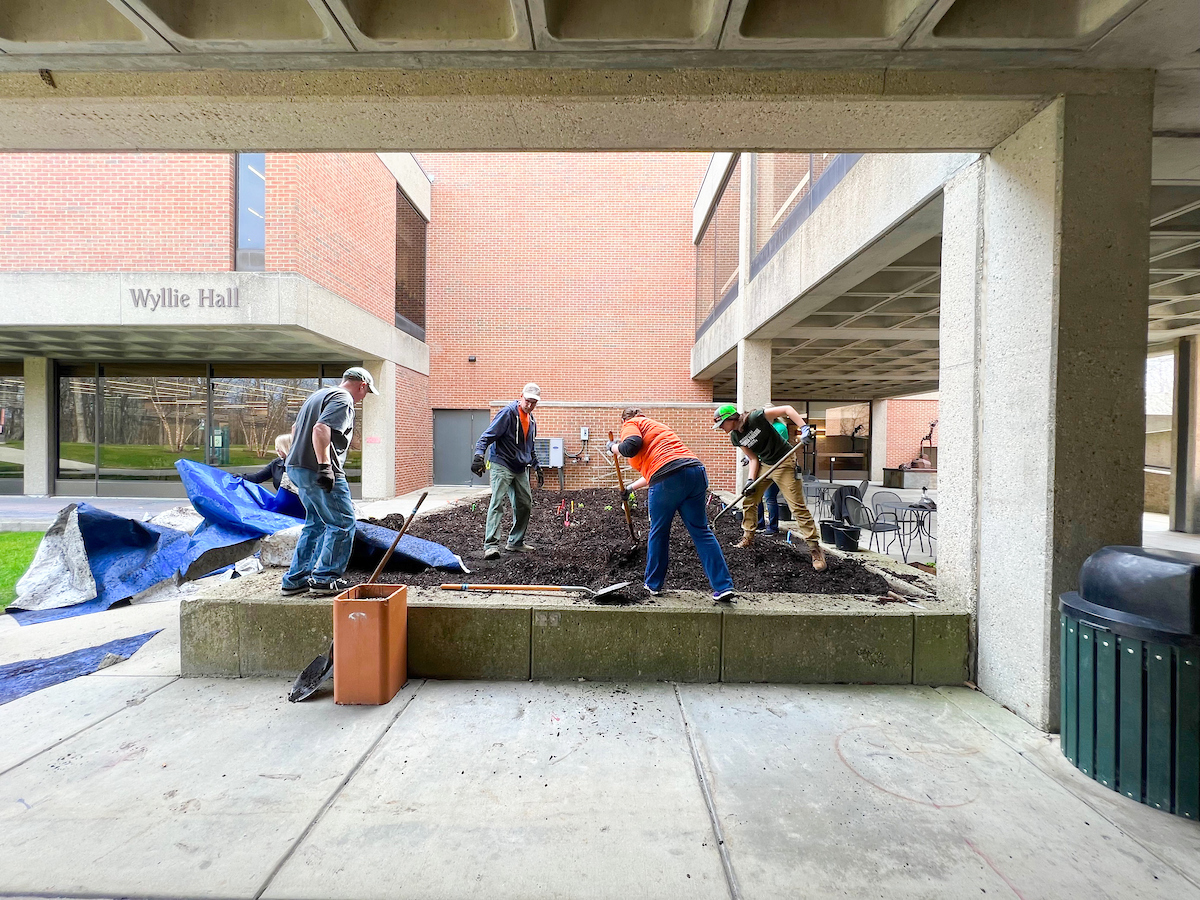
x=16 y=553
x=150 y=456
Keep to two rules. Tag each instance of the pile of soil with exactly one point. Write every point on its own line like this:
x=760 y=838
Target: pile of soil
x=581 y=538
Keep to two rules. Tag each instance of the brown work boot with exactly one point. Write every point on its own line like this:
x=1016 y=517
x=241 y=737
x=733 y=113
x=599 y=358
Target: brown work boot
x=818 y=557
x=746 y=541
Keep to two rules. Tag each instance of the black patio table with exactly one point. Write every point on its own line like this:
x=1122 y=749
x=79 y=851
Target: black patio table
x=917 y=516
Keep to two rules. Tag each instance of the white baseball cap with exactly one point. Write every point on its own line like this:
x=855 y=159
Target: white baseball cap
x=358 y=373
x=532 y=392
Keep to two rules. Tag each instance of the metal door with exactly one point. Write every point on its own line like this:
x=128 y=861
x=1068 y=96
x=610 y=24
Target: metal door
x=455 y=432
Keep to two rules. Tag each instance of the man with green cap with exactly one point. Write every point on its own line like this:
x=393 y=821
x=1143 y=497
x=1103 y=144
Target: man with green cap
x=763 y=446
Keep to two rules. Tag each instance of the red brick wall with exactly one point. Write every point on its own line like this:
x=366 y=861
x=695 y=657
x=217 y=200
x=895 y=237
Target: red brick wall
x=332 y=218
x=90 y=212
x=908 y=422
x=572 y=270
x=693 y=425
x=414 y=431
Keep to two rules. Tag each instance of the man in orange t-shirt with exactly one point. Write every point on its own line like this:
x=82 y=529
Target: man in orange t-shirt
x=678 y=483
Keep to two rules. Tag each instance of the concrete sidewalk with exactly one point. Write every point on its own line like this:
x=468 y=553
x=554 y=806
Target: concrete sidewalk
x=133 y=782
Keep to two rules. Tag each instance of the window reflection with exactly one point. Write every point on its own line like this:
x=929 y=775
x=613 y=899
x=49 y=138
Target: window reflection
x=147 y=423
x=151 y=416
x=12 y=427
x=251 y=212
x=249 y=413
x=77 y=428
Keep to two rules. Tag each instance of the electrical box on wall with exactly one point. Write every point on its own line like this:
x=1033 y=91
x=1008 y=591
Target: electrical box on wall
x=556 y=453
x=583 y=433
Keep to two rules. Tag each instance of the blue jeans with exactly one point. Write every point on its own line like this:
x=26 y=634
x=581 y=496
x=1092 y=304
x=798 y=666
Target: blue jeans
x=771 y=501
x=685 y=492
x=323 y=551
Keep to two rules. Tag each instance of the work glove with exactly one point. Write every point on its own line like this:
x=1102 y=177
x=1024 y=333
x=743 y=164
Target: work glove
x=325 y=476
x=541 y=478
x=611 y=447
x=806 y=434
x=477 y=465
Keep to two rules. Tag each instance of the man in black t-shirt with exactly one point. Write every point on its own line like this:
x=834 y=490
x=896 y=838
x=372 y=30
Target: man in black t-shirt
x=754 y=433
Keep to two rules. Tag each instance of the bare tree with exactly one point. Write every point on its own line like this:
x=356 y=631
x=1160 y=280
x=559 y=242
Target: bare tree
x=177 y=425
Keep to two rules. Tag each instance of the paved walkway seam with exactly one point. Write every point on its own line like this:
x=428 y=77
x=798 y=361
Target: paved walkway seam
x=1032 y=760
x=278 y=867
x=74 y=734
x=731 y=881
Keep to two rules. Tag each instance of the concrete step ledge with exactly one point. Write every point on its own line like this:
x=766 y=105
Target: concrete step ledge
x=895 y=644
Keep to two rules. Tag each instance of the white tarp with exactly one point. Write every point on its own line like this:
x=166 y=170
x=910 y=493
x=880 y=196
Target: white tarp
x=59 y=574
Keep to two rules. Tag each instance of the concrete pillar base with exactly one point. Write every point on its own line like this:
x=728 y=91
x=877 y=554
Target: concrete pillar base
x=1044 y=286
x=40 y=452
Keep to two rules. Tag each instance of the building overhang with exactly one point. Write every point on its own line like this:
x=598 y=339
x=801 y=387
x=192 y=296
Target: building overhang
x=177 y=316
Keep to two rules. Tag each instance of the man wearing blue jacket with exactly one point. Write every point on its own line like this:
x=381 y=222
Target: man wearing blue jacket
x=511 y=437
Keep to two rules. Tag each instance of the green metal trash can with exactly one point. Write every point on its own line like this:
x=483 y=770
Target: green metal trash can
x=1130 y=675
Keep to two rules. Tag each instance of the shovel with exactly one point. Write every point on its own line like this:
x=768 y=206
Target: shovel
x=392 y=549
x=746 y=491
x=318 y=670
x=624 y=496
x=595 y=595
x=311 y=678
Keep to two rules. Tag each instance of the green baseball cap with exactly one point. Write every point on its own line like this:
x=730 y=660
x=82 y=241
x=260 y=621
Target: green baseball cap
x=728 y=411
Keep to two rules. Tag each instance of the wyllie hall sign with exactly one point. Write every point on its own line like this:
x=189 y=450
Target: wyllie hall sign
x=170 y=298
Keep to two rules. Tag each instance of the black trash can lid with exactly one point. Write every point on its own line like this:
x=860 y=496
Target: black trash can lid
x=1157 y=590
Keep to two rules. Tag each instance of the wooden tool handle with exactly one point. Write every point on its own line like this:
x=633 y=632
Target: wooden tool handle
x=624 y=496
x=506 y=587
x=390 y=550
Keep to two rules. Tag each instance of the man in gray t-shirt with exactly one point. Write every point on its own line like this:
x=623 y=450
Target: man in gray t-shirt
x=316 y=465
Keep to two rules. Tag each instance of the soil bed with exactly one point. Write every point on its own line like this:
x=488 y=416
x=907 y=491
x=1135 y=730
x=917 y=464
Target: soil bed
x=581 y=538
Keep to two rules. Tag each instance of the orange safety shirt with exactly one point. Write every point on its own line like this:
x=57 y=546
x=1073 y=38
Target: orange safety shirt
x=660 y=445
x=524 y=417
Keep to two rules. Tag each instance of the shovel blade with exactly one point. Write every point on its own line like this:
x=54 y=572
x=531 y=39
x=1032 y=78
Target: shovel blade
x=611 y=589
x=311 y=678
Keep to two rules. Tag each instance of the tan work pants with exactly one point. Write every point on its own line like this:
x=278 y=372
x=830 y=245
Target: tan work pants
x=793 y=493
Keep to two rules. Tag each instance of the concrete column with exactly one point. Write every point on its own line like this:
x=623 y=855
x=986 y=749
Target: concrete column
x=960 y=386
x=753 y=383
x=1055 y=385
x=39 y=426
x=1185 y=437
x=379 y=433
x=878 y=439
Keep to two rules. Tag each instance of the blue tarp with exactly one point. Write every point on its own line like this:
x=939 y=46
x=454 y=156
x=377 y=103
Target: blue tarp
x=238 y=510
x=127 y=557
x=21 y=678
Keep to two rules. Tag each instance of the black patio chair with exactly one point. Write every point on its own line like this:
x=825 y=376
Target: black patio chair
x=858 y=515
x=882 y=512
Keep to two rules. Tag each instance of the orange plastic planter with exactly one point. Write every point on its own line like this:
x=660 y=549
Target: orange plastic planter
x=370 y=643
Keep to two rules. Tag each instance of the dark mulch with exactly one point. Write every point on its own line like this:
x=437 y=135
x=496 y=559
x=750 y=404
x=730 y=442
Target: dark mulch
x=582 y=539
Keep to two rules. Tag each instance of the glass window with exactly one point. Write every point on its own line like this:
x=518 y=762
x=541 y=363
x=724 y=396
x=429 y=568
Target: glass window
x=717 y=254
x=249 y=413
x=12 y=427
x=410 y=268
x=781 y=181
x=251 y=212
x=148 y=422
x=77 y=427
x=152 y=415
